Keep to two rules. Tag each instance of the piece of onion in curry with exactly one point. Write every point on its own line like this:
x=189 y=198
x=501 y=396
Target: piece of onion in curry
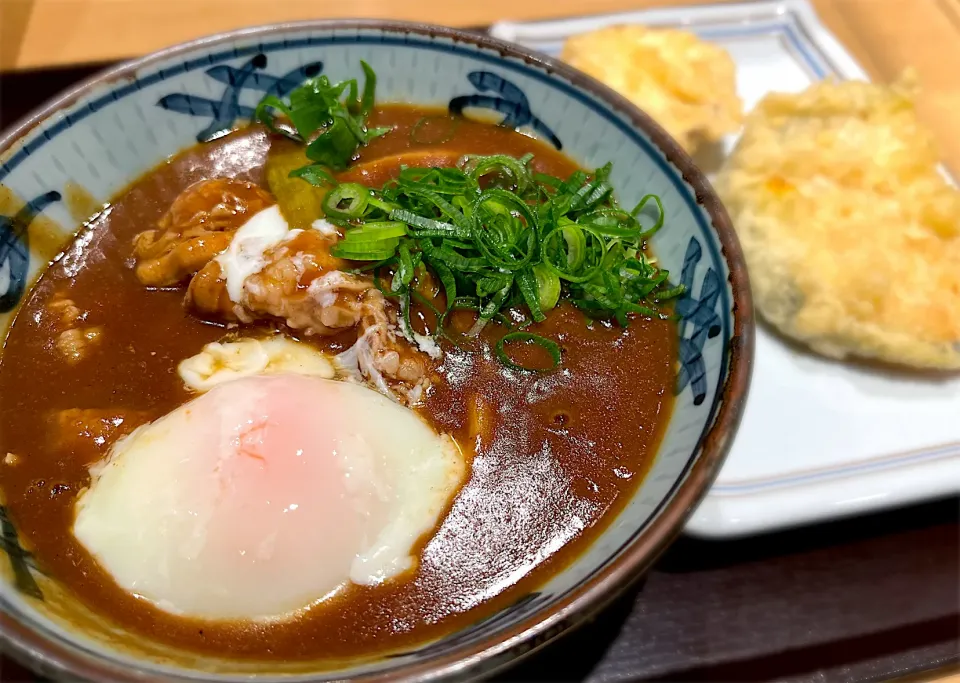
x=549 y=457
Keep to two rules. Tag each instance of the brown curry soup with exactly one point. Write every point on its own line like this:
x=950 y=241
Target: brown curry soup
x=554 y=455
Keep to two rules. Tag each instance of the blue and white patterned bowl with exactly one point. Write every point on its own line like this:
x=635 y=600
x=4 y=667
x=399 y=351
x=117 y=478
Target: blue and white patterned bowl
x=118 y=125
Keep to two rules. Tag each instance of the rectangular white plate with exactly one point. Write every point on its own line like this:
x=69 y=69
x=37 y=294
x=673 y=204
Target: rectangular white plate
x=819 y=439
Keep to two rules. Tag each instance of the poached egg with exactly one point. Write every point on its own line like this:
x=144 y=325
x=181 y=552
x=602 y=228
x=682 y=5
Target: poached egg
x=266 y=495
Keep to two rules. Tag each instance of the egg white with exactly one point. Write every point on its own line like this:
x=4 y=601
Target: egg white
x=176 y=514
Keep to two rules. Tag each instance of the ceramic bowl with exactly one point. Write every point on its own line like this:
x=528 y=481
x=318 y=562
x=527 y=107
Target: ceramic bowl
x=114 y=127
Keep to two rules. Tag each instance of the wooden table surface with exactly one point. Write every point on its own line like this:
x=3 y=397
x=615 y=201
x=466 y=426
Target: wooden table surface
x=886 y=36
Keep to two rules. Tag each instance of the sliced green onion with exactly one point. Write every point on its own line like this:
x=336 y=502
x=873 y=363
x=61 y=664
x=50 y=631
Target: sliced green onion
x=574 y=182
x=611 y=222
x=350 y=255
x=514 y=170
x=456 y=244
x=377 y=132
x=375 y=232
x=548 y=286
x=335 y=146
x=590 y=195
x=347 y=201
x=643 y=310
x=500 y=236
x=530 y=290
x=463 y=303
x=405 y=269
x=369 y=89
x=446 y=209
x=263 y=115
x=447 y=279
x=365 y=251
x=428 y=227
x=459 y=262
x=521 y=240
x=522 y=249
x=491 y=284
x=489 y=310
x=378 y=203
x=670 y=293
x=333 y=128
x=548 y=180
x=603 y=173
x=548 y=345
x=650 y=232
x=576 y=269
x=576 y=246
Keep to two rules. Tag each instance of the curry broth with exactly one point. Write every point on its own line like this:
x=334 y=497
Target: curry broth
x=554 y=452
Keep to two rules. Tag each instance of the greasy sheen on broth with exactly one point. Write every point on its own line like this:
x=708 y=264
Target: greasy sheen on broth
x=555 y=454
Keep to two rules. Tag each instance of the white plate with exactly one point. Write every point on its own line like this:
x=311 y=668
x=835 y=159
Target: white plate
x=819 y=439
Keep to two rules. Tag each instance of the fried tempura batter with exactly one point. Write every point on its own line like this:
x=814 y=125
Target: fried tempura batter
x=851 y=234
x=687 y=85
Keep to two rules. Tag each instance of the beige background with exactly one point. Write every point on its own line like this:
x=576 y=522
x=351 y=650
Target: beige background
x=885 y=35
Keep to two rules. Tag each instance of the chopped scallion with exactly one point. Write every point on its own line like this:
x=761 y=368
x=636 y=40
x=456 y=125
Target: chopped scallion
x=331 y=126
x=346 y=201
x=511 y=238
x=548 y=345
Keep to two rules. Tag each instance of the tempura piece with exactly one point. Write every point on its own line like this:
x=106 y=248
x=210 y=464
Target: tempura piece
x=687 y=85
x=851 y=234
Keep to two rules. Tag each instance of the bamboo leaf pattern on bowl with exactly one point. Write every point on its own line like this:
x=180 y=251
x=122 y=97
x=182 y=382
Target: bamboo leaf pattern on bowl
x=509 y=100
x=698 y=315
x=15 y=249
x=226 y=111
x=20 y=560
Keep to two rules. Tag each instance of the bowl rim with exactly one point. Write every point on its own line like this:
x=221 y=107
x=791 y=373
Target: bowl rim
x=502 y=648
